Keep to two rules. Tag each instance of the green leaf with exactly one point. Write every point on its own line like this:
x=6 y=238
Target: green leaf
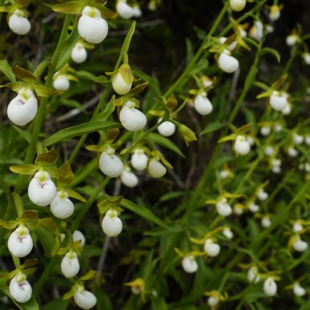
x=165 y=142
x=203 y=64
x=159 y=303
x=40 y=68
x=7 y=70
x=268 y=50
x=90 y=274
x=22 y=3
x=73 y=7
x=128 y=38
x=58 y=304
x=24 y=75
x=143 y=212
x=103 y=300
x=43 y=91
x=79 y=130
x=212 y=127
x=46 y=238
x=101 y=80
x=47 y=158
x=24 y=134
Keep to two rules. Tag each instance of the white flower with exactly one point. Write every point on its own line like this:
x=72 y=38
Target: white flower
x=227 y=63
x=224 y=174
x=253 y=207
x=277 y=127
x=139 y=160
x=274 y=13
x=212 y=249
x=228 y=233
x=155 y=168
x=213 y=301
x=298 y=290
x=61 y=82
x=291 y=40
x=292 y=152
x=265 y=130
x=128 y=178
x=278 y=101
x=189 y=264
x=238 y=209
x=20 y=289
x=84 y=299
x=77 y=235
x=92 y=28
x=306 y=58
x=231 y=47
x=237 y=5
x=269 y=150
x=241 y=146
x=250 y=140
x=297 y=227
x=266 y=221
x=257 y=31
x=124 y=10
x=23 y=108
x=110 y=164
x=261 y=194
x=70 y=265
x=119 y=85
x=166 y=128
x=287 y=110
x=111 y=224
x=252 y=275
x=307 y=140
x=131 y=118
x=41 y=189
x=18 y=23
x=137 y=11
x=202 y=104
x=270 y=286
x=79 y=53
x=300 y=245
x=61 y=206
x=223 y=208
x=298 y=139
x=20 y=242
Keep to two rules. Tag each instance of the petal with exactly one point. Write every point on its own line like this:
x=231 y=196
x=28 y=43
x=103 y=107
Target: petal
x=124 y=10
x=119 y=85
x=203 y=105
x=156 y=169
x=41 y=193
x=77 y=235
x=78 y=54
x=92 y=30
x=61 y=83
x=139 y=160
x=227 y=63
x=85 y=299
x=166 y=129
x=189 y=264
x=129 y=179
x=110 y=165
x=20 y=244
x=111 y=226
x=70 y=266
x=132 y=119
x=20 y=291
x=62 y=208
x=19 y=24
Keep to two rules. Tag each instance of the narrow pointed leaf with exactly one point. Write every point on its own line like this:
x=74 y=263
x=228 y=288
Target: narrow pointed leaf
x=101 y=80
x=24 y=134
x=90 y=274
x=7 y=70
x=212 y=127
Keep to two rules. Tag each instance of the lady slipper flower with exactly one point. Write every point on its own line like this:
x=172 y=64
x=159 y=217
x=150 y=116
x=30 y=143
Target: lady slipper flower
x=211 y=248
x=292 y=152
x=261 y=195
x=253 y=207
x=298 y=139
x=292 y=39
x=223 y=208
x=256 y=32
x=298 y=290
x=232 y=46
x=78 y=236
x=128 y=178
x=122 y=80
x=79 y=53
x=92 y=28
x=155 y=168
x=265 y=130
x=299 y=245
x=41 y=189
x=70 y=265
x=270 y=286
x=61 y=82
x=241 y=146
x=111 y=224
x=276 y=165
x=20 y=243
x=139 y=159
x=275 y=12
x=19 y=288
x=166 y=128
x=23 y=108
x=227 y=63
x=84 y=299
x=228 y=233
x=237 y=5
x=18 y=23
x=189 y=264
x=137 y=11
x=131 y=118
x=110 y=164
x=124 y=10
x=202 y=104
x=266 y=221
x=278 y=101
x=61 y=206
x=252 y=275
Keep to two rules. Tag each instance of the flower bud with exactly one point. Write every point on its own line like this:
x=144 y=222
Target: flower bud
x=131 y=118
x=111 y=224
x=291 y=40
x=297 y=227
x=227 y=63
x=223 y=208
x=189 y=264
x=166 y=128
x=213 y=301
x=79 y=53
x=306 y=58
x=278 y=101
x=124 y=10
x=266 y=222
x=212 y=249
x=128 y=178
x=20 y=289
x=298 y=139
x=202 y=104
x=110 y=165
x=292 y=152
x=41 y=189
x=77 y=235
x=252 y=275
x=224 y=174
x=92 y=28
x=156 y=169
x=262 y=195
x=298 y=290
x=269 y=150
x=228 y=233
x=253 y=207
x=18 y=23
x=84 y=299
x=70 y=265
x=61 y=206
x=23 y=108
x=237 y=5
x=139 y=160
x=300 y=245
x=61 y=82
x=265 y=130
x=241 y=146
x=270 y=286
x=20 y=243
